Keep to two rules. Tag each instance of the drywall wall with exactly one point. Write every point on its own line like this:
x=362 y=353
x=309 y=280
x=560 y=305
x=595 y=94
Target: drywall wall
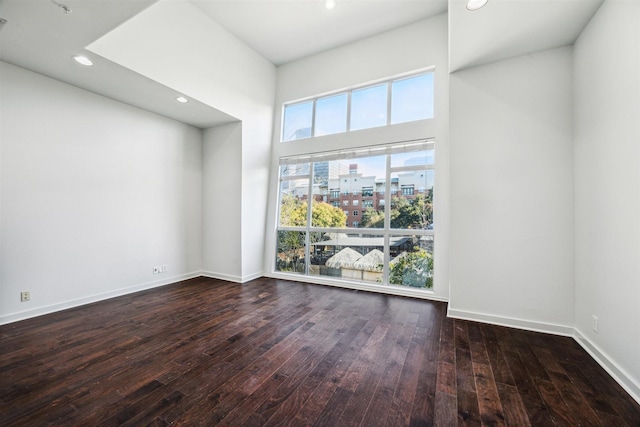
x=222 y=193
x=256 y=162
x=95 y=193
x=409 y=48
x=512 y=192
x=221 y=71
x=607 y=188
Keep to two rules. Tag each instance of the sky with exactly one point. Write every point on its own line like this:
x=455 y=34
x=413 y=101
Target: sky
x=411 y=99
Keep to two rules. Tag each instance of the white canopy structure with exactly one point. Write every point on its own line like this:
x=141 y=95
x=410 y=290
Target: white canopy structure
x=372 y=261
x=345 y=258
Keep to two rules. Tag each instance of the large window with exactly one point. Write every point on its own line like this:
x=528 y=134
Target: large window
x=369 y=107
x=385 y=244
x=395 y=101
x=331 y=115
x=409 y=98
x=297 y=121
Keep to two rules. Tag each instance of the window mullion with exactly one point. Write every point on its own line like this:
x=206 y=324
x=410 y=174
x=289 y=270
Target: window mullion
x=313 y=118
x=413 y=271
x=307 y=238
x=387 y=221
x=388 y=103
x=348 y=111
x=423 y=96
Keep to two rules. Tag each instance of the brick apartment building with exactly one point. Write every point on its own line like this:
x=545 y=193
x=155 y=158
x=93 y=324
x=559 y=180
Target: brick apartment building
x=354 y=193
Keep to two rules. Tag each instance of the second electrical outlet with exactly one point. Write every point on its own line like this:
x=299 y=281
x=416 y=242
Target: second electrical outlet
x=159 y=269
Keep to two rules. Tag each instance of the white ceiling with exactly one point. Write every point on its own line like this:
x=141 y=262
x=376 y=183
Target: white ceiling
x=40 y=37
x=508 y=28
x=286 y=30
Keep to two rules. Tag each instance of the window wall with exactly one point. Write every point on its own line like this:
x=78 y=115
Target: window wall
x=395 y=101
x=333 y=221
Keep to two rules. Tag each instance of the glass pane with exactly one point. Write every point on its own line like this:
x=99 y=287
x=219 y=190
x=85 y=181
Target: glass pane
x=348 y=256
x=414 y=158
x=412 y=99
x=352 y=186
x=297 y=121
x=290 y=251
x=411 y=261
x=369 y=107
x=331 y=115
x=294 y=170
x=327 y=207
x=293 y=202
x=412 y=200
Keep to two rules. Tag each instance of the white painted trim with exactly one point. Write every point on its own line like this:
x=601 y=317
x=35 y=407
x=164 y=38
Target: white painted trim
x=612 y=368
x=529 y=325
x=27 y=314
x=360 y=286
x=232 y=278
x=221 y=276
x=616 y=372
x=249 y=277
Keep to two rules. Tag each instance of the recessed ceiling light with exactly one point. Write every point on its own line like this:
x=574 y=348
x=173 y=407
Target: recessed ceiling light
x=83 y=60
x=476 y=4
x=182 y=99
x=330 y=4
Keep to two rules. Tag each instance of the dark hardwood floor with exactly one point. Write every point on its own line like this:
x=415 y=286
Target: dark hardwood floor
x=207 y=352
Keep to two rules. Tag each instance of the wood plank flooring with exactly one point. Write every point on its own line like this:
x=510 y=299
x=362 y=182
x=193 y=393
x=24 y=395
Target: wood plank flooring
x=270 y=352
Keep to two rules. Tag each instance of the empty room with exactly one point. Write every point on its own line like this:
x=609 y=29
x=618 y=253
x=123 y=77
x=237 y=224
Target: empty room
x=320 y=212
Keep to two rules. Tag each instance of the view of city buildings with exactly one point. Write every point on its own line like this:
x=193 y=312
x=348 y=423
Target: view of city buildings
x=344 y=187
x=353 y=199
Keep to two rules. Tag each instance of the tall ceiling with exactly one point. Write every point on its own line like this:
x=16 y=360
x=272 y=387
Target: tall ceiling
x=508 y=28
x=283 y=31
x=41 y=37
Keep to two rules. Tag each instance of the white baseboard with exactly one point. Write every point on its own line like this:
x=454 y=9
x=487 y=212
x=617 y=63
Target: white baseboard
x=48 y=309
x=612 y=368
x=616 y=372
x=231 y=278
x=249 y=277
x=528 y=325
x=39 y=311
x=361 y=286
x=221 y=276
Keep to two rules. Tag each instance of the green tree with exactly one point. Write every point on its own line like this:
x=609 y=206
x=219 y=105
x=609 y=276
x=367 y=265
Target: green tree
x=325 y=215
x=413 y=269
x=405 y=213
x=293 y=213
x=372 y=218
x=414 y=214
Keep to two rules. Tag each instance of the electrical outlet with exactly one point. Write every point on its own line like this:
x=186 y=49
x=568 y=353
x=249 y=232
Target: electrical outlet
x=25 y=296
x=159 y=269
x=594 y=324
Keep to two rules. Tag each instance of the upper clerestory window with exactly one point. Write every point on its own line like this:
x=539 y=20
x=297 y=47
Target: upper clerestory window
x=394 y=101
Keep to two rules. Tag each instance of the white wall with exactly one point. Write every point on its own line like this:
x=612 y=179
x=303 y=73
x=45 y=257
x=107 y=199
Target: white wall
x=511 y=192
x=176 y=44
x=607 y=188
x=409 y=48
x=222 y=190
x=94 y=194
x=256 y=161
